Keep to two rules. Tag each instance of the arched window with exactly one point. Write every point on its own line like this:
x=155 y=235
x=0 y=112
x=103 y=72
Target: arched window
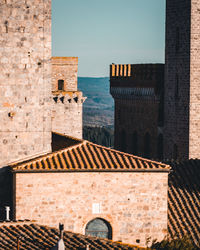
x=147 y=145
x=60 y=84
x=135 y=143
x=175 y=152
x=99 y=228
x=123 y=140
x=160 y=147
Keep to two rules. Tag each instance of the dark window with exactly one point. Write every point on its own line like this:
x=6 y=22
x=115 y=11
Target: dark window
x=177 y=39
x=175 y=152
x=99 y=228
x=160 y=147
x=147 y=143
x=60 y=84
x=123 y=140
x=135 y=143
x=176 y=87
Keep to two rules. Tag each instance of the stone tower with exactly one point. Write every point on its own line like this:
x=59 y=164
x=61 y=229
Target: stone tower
x=25 y=79
x=138 y=93
x=68 y=101
x=182 y=80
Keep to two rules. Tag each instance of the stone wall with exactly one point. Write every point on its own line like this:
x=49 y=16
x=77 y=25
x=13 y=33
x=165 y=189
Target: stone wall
x=133 y=120
x=66 y=69
x=138 y=93
x=25 y=79
x=182 y=92
x=194 y=127
x=67 y=114
x=68 y=101
x=135 y=204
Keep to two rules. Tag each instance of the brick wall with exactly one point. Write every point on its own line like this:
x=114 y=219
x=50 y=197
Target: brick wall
x=182 y=116
x=25 y=79
x=135 y=204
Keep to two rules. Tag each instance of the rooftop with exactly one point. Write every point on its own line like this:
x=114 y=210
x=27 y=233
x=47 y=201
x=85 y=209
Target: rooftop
x=33 y=236
x=81 y=155
x=184 y=200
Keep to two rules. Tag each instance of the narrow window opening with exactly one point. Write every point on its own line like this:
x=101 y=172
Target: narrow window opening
x=177 y=39
x=176 y=87
x=175 y=152
x=160 y=147
x=60 y=84
x=123 y=140
x=135 y=143
x=147 y=143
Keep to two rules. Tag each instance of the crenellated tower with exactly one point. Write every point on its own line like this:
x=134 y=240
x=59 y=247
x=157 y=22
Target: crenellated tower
x=138 y=94
x=67 y=100
x=25 y=79
x=182 y=81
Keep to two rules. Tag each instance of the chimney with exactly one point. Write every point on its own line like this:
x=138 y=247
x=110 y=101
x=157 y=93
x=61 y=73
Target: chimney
x=7 y=213
x=60 y=244
x=61 y=228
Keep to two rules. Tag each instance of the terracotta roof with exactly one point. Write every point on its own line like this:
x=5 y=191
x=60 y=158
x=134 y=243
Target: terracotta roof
x=87 y=156
x=184 y=200
x=34 y=236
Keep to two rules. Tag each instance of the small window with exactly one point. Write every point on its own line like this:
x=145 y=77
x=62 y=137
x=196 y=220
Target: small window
x=177 y=39
x=176 y=87
x=60 y=84
x=135 y=143
x=147 y=145
x=175 y=152
x=123 y=140
x=99 y=228
x=160 y=147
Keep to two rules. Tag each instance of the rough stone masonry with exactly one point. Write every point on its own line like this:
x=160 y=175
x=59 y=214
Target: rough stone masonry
x=25 y=79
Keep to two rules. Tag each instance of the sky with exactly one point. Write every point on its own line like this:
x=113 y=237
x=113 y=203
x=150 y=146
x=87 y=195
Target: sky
x=102 y=32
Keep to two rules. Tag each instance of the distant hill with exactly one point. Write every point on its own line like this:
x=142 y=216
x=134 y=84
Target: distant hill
x=98 y=109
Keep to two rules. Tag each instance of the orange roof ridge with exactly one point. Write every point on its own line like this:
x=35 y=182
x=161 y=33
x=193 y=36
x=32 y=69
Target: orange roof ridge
x=45 y=156
x=128 y=154
x=88 y=156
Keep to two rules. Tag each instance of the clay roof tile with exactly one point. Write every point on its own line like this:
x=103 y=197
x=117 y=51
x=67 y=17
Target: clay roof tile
x=86 y=156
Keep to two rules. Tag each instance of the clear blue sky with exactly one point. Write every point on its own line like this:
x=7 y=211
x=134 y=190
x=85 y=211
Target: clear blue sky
x=101 y=32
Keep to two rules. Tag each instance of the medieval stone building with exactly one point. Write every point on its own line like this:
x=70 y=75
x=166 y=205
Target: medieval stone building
x=25 y=79
x=143 y=124
x=182 y=68
x=51 y=177
x=67 y=100
x=138 y=94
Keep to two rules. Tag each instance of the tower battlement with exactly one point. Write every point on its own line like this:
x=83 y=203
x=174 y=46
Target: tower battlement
x=137 y=75
x=67 y=100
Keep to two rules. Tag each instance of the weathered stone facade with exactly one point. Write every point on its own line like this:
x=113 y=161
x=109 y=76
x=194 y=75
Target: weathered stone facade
x=138 y=94
x=136 y=207
x=68 y=101
x=182 y=92
x=25 y=79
